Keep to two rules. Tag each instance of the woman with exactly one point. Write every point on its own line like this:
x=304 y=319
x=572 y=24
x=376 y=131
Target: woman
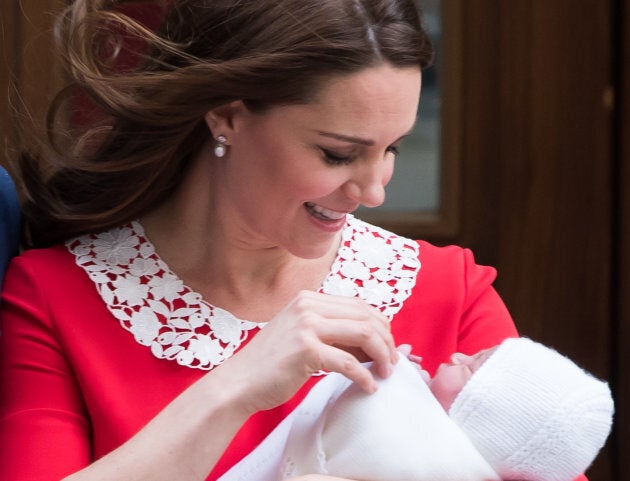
x=199 y=266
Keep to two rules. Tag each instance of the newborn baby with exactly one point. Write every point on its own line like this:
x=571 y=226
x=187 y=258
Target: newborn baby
x=519 y=411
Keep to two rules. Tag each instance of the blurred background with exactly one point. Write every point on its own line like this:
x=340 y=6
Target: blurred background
x=522 y=153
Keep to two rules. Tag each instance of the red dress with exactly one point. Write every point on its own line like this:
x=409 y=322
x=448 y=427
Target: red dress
x=79 y=377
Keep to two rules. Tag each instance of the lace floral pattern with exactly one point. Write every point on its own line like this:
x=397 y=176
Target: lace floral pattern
x=162 y=313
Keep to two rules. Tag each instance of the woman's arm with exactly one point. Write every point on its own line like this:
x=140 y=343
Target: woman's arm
x=188 y=437
x=46 y=424
x=184 y=441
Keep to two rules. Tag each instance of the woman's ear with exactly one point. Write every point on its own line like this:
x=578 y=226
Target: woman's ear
x=223 y=120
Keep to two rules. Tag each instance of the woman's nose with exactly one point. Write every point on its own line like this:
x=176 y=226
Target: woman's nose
x=369 y=195
x=367 y=186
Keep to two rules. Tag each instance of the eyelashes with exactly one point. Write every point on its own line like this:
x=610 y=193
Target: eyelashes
x=394 y=149
x=334 y=158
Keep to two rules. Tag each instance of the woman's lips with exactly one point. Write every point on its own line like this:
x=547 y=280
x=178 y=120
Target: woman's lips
x=323 y=213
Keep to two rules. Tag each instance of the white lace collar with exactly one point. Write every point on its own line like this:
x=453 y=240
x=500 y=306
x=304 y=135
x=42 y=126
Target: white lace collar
x=162 y=313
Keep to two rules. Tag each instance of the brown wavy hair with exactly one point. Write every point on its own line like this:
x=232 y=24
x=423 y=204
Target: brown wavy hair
x=206 y=53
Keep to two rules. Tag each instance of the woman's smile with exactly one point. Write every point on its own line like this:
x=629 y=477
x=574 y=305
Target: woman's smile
x=327 y=219
x=323 y=213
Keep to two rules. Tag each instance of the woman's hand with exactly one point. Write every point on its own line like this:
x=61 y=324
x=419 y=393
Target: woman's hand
x=313 y=332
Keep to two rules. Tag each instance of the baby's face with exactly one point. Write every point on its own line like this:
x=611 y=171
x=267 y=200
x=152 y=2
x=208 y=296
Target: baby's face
x=451 y=377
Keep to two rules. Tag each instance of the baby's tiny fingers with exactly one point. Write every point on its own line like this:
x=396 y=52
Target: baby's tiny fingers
x=404 y=349
x=425 y=375
x=414 y=358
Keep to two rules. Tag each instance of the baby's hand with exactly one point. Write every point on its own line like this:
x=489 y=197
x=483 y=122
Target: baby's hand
x=405 y=350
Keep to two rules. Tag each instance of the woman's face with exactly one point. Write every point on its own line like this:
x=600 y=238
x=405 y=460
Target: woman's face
x=293 y=172
x=451 y=377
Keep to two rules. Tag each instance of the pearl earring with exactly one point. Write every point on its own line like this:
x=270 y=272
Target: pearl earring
x=220 y=148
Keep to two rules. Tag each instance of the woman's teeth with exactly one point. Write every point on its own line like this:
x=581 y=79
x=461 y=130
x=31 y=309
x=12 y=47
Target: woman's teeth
x=323 y=213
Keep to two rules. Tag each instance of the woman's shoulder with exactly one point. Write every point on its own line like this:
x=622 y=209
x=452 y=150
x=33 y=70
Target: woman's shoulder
x=452 y=254
x=37 y=268
x=74 y=250
x=44 y=258
x=452 y=265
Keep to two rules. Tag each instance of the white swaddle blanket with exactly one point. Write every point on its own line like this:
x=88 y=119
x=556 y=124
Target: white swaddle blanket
x=399 y=433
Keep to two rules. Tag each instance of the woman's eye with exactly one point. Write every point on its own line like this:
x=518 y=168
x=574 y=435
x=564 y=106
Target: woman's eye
x=336 y=159
x=394 y=149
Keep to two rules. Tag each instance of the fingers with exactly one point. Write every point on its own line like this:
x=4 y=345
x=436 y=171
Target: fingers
x=460 y=358
x=338 y=307
x=405 y=350
x=376 y=342
x=308 y=336
x=426 y=377
x=337 y=360
x=343 y=321
x=322 y=332
x=415 y=359
x=328 y=305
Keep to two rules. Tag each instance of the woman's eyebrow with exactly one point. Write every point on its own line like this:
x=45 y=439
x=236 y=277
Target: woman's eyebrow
x=356 y=140
x=347 y=138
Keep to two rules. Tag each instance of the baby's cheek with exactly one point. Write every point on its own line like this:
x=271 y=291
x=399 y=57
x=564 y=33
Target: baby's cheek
x=448 y=382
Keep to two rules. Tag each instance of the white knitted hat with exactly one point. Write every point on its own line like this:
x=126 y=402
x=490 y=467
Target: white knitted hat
x=533 y=414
